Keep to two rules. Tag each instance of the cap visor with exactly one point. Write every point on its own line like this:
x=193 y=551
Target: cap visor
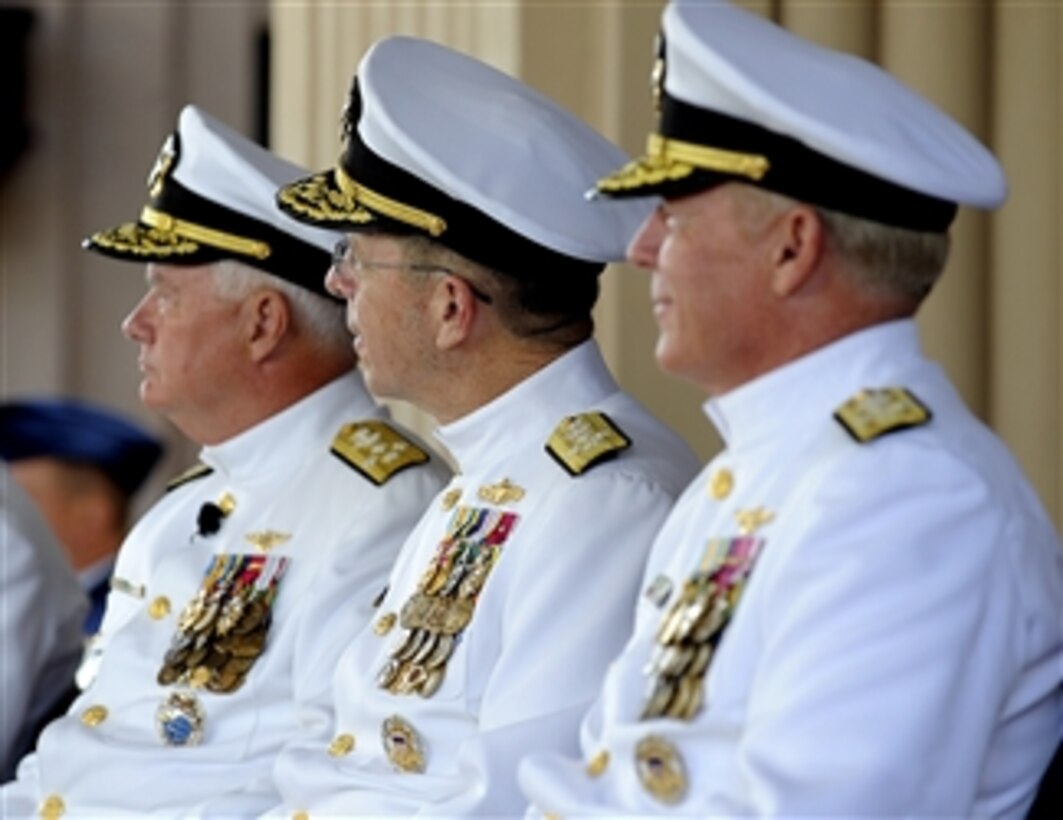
x=134 y=242
x=317 y=200
x=652 y=176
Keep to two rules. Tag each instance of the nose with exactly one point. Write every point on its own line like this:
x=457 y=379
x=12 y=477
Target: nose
x=135 y=326
x=339 y=283
x=645 y=245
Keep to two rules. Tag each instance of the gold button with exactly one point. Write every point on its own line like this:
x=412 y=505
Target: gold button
x=385 y=623
x=341 y=745
x=52 y=807
x=227 y=503
x=159 y=608
x=598 y=764
x=94 y=716
x=451 y=498
x=300 y=815
x=721 y=484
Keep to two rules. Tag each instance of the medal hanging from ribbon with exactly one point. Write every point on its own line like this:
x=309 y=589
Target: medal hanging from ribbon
x=694 y=625
x=435 y=616
x=220 y=634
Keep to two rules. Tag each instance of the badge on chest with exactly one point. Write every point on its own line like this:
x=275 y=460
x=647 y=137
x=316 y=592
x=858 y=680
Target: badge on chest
x=220 y=635
x=436 y=615
x=692 y=627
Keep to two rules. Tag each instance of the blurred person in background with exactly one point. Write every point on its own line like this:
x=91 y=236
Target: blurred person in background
x=82 y=465
x=42 y=608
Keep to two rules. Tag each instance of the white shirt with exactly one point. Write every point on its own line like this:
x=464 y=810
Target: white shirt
x=339 y=533
x=898 y=649
x=554 y=609
x=41 y=609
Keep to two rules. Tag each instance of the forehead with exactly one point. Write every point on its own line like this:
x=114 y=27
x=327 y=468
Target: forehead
x=374 y=245
x=178 y=276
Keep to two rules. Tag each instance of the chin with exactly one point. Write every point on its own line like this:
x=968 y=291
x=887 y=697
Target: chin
x=670 y=360
x=150 y=397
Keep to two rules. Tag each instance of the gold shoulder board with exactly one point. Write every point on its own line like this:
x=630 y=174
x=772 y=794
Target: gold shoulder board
x=873 y=413
x=579 y=442
x=196 y=471
x=376 y=450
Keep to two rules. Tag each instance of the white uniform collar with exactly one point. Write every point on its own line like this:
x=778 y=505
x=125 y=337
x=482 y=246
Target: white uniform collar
x=531 y=409
x=284 y=439
x=813 y=386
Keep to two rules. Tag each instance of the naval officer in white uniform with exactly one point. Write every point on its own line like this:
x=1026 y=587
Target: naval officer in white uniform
x=231 y=596
x=470 y=270
x=855 y=609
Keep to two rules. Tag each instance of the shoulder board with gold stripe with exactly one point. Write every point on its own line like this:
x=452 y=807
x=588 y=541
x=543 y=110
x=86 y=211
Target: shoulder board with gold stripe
x=581 y=441
x=376 y=450
x=193 y=473
x=873 y=413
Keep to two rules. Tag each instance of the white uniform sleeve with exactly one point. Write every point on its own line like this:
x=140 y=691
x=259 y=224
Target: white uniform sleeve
x=886 y=646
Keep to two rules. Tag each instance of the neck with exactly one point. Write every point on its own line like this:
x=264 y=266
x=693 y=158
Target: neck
x=471 y=379
x=262 y=394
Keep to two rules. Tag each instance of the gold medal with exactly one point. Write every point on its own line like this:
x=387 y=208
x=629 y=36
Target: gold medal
x=660 y=769
x=402 y=745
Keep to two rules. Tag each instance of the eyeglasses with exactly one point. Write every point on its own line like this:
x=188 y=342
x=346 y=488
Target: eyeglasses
x=341 y=256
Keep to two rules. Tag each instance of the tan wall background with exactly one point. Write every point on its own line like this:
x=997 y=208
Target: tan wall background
x=109 y=79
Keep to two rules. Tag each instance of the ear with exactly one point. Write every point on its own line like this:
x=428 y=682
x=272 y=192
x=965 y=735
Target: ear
x=454 y=309
x=798 y=247
x=266 y=318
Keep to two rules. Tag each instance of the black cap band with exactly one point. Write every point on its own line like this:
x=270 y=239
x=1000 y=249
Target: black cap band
x=777 y=163
x=179 y=227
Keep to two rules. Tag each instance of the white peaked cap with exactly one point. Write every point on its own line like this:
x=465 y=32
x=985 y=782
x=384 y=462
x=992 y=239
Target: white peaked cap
x=743 y=99
x=212 y=196
x=452 y=147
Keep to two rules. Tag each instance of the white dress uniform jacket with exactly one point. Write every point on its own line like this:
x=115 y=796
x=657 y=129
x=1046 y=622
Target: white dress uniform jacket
x=41 y=609
x=556 y=559
x=289 y=498
x=898 y=647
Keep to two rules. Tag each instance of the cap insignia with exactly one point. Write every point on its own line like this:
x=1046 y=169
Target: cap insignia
x=873 y=413
x=581 y=441
x=658 y=72
x=376 y=450
x=193 y=473
x=164 y=164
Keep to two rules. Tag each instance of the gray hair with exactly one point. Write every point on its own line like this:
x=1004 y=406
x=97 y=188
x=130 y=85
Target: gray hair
x=318 y=316
x=882 y=257
x=897 y=260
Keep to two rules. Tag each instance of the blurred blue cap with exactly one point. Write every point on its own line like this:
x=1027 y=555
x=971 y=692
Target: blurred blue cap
x=77 y=432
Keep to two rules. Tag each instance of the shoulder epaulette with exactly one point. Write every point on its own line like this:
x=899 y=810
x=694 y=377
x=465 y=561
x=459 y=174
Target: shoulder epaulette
x=581 y=441
x=873 y=413
x=193 y=473
x=376 y=450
